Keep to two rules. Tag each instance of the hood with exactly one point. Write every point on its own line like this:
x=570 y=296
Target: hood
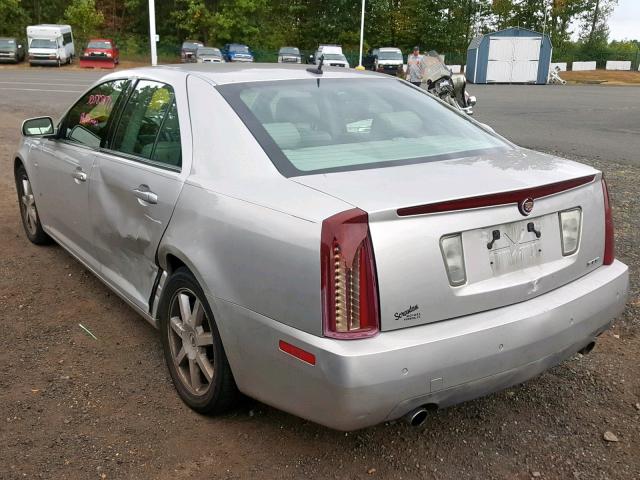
x=390 y=62
x=383 y=189
x=42 y=51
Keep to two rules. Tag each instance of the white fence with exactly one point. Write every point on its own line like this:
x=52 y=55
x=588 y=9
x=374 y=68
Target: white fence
x=562 y=65
x=616 y=65
x=583 y=66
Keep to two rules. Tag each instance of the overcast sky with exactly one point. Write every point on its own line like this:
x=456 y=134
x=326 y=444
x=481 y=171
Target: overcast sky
x=625 y=21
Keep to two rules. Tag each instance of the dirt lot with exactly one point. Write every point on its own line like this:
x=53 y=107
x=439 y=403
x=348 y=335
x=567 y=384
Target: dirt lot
x=606 y=77
x=74 y=407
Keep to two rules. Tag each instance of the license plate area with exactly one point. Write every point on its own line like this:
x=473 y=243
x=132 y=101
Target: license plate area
x=514 y=246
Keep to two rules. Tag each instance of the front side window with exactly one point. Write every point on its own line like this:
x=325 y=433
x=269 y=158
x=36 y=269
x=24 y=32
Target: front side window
x=148 y=127
x=86 y=122
x=323 y=125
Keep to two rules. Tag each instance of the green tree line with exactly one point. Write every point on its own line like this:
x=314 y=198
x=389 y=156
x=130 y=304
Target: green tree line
x=443 y=25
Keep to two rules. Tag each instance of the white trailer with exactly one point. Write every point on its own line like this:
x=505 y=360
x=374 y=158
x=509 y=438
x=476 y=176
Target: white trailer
x=50 y=44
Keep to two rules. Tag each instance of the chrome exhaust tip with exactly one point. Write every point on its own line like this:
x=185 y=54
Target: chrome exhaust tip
x=587 y=348
x=416 y=417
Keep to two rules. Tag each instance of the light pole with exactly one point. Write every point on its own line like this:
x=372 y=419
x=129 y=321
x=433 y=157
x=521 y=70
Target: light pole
x=152 y=32
x=360 y=67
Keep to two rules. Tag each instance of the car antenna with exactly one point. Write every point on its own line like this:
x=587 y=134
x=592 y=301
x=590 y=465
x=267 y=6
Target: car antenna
x=318 y=69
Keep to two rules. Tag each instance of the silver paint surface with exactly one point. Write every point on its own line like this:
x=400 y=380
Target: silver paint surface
x=252 y=239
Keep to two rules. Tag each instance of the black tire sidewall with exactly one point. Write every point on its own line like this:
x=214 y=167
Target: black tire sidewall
x=213 y=399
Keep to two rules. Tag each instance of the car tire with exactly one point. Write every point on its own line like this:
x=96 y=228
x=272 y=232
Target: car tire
x=192 y=347
x=28 y=210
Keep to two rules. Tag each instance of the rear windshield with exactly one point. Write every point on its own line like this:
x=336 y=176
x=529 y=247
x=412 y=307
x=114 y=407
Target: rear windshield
x=43 y=43
x=324 y=125
x=99 y=44
x=191 y=46
x=7 y=44
x=289 y=51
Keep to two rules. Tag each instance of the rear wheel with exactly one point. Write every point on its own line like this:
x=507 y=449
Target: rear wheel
x=192 y=347
x=28 y=210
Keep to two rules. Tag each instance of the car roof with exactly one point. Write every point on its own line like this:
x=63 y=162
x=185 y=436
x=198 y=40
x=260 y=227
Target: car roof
x=228 y=73
x=100 y=40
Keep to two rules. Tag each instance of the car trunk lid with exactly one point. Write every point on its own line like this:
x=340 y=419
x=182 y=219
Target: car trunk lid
x=412 y=207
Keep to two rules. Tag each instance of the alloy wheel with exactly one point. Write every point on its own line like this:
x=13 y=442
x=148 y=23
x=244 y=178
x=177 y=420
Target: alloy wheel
x=191 y=342
x=28 y=207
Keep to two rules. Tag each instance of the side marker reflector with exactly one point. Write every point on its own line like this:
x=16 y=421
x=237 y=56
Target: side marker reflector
x=297 y=352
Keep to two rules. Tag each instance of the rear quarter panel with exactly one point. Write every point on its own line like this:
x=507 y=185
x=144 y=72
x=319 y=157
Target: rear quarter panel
x=251 y=236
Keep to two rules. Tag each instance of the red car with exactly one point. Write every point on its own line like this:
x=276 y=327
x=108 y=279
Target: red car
x=100 y=53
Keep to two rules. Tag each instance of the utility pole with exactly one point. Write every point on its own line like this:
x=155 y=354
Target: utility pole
x=152 y=32
x=360 y=67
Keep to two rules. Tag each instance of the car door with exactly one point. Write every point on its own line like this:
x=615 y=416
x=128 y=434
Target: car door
x=64 y=165
x=136 y=181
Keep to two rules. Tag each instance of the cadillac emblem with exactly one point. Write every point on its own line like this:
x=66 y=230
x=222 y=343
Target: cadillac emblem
x=526 y=206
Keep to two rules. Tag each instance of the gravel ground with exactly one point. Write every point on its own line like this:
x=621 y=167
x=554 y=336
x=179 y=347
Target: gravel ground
x=73 y=407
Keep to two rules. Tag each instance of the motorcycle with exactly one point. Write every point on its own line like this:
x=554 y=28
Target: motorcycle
x=449 y=87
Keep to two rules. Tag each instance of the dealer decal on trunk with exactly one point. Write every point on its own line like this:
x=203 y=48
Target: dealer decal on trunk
x=409 y=314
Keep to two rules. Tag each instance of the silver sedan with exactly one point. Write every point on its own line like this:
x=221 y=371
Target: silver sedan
x=337 y=244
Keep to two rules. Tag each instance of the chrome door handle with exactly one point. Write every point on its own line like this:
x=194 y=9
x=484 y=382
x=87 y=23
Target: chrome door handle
x=79 y=175
x=146 y=195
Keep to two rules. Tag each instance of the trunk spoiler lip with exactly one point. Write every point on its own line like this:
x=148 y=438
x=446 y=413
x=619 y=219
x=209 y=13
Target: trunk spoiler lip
x=496 y=199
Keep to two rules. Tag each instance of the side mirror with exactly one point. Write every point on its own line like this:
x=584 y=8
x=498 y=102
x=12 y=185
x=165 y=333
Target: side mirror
x=38 y=127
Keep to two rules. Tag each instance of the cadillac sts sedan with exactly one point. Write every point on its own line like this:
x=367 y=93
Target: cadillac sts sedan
x=337 y=244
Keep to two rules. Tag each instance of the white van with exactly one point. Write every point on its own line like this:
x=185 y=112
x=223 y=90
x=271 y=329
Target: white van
x=50 y=44
x=333 y=56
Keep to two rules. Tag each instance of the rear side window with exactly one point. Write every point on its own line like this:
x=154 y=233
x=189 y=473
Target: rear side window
x=149 y=127
x=86 y=122
x=67 y=38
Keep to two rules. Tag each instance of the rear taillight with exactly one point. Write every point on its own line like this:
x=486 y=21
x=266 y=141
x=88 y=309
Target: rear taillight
x=349 y=286
x=609 y=242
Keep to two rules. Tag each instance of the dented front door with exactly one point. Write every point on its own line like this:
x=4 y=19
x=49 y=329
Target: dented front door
x=132 y=203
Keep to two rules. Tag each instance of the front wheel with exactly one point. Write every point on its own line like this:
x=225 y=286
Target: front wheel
x=192 y=347
x=28 y=210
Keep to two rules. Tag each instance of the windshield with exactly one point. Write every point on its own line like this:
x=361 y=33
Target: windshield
x=324 y=125
x=191 y=46
x=99 y=44
x=389 y=56
x=289 y=51
x=239 y=48
x=208 y=51
x=7 y=44
x=43 y=43
x=334 y=56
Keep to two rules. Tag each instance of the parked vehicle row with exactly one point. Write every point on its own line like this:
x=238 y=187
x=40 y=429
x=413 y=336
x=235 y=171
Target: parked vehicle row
x=340 y=245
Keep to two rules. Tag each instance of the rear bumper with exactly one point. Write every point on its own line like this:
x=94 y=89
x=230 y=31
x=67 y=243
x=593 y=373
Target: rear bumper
x=359 y=383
